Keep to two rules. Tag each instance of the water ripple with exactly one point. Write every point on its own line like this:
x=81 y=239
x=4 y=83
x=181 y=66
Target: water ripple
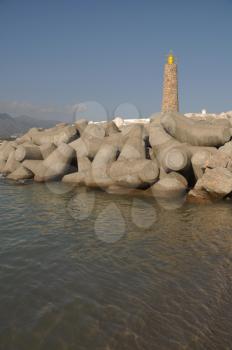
x=153 y=277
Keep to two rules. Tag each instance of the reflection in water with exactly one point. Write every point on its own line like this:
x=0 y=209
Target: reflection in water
x=57 y=188
x=87 y=270
x=110 y=225
x=174 y=203
x=81 y=204
x=143 y=214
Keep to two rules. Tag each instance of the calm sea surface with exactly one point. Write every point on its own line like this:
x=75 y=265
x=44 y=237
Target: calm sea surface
x=85 y=270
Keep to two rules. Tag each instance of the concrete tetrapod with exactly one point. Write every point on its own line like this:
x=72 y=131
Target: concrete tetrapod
x=90 y=141
x=199 y=162
x=96 y=173
x=28 y=136
x=169 y=186
x=110 y=128
x=80 y=125
x=177 y=176
x=6 y=149
x=2 y=165
x=77 y=178
x=58 y=135
x=80 y=147
x=56 y=165
x=28 y=152
x=101 y=164
x=11 y=164
x=196 y=133
x=93 y=137
x=33 y=165
x=175 y=159
x=46 y=149
x=171 y=154
x=134 y=147
x=21 y=173
x=4 y=143
x=140 y=173
x=83 y=176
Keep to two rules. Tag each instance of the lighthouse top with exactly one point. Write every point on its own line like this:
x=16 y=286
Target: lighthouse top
x=171 y=58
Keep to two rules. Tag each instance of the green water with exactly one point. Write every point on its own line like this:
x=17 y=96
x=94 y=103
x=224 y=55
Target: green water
x=87 y=270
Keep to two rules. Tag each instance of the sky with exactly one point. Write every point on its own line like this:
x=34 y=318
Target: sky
x=101 y=58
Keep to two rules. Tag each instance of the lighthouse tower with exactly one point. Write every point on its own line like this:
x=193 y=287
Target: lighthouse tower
x=170 y=101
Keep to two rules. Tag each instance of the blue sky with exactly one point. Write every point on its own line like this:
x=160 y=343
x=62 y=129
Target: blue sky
x=57 y=54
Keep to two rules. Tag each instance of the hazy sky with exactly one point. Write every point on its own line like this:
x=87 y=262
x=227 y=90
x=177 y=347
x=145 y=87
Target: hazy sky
x=55 y=54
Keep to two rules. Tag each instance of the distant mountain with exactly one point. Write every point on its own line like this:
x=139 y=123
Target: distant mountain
x=10 y=126
x=25 y=122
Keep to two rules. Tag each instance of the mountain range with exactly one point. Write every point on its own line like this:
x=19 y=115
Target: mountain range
x=10 y=126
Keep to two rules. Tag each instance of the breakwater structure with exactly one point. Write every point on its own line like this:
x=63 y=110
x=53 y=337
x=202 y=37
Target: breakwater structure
x=167 y=156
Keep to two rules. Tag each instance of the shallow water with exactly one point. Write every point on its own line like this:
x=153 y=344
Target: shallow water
x=88 y=270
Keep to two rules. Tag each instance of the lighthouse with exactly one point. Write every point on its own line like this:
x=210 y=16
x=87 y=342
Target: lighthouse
x=170 y=102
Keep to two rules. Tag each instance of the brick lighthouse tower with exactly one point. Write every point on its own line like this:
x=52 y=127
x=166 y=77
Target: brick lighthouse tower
x=170 y=101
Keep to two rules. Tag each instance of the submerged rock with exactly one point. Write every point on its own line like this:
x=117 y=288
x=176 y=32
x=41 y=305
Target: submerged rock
x=199 y=197
x=217 y=182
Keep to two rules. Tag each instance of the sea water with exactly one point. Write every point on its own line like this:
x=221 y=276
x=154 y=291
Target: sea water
x=83 y=269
